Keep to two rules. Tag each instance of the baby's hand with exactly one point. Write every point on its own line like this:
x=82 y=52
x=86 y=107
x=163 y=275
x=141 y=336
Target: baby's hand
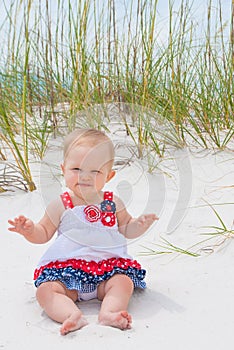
x=22 y=225
x=146 y=220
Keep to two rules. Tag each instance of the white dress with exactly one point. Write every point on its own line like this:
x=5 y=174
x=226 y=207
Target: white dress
x=88 y=249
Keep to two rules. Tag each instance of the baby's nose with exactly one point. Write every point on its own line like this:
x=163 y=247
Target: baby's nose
x=85 y=174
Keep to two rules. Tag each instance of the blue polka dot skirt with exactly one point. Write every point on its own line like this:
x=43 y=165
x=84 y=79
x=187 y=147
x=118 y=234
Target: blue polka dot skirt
x=85 y=276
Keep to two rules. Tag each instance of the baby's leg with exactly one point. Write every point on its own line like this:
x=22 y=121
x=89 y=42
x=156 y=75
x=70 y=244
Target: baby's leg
x=115 y=293
x=59 y=304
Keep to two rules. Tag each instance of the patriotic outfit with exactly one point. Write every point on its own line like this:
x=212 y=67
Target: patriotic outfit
x=88 y=249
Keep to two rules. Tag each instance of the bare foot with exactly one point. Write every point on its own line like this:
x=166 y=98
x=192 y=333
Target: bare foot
x=74 y=322
x=120 y=319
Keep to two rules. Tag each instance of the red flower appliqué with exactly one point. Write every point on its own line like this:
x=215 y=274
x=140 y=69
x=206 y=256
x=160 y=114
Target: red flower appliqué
x=108 y=218
x=92 y=213
x=106 y=214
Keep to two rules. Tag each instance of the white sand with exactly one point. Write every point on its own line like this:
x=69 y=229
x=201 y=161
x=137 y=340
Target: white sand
x=189 y=302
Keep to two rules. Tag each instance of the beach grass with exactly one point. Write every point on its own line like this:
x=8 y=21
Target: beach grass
x=221 y=229
x=166 y=247
x=176 y=83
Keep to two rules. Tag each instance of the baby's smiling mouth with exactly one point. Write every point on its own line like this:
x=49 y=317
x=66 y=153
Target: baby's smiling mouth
x=84 y=184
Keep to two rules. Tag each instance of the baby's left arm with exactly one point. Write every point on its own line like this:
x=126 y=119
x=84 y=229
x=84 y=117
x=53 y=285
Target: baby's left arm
x=132 y=227
x=137 y=226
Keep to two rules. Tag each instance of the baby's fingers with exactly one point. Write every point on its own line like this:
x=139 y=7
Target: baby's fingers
x=151 y=217
x=12 y=229
x=147 y=220
x=141 y=219
x=22 y=219
x=19 y=222
x=154 y=217
x=11 y=222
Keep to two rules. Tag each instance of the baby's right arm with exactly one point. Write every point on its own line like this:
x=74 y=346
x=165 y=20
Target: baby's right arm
x=42 y=231
x=34 y=233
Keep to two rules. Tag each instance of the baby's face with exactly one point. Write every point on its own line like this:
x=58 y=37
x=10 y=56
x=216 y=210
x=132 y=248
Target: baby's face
x=87 y=169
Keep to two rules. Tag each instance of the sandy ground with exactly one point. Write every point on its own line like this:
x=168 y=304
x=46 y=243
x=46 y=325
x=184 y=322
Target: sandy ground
x=189 y=302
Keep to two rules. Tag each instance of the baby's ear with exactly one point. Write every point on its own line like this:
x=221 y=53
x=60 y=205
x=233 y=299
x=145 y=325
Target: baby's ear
x=62 y=167
x=110 y=175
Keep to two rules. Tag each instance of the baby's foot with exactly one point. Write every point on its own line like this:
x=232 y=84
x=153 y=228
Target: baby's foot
x=74 y=322
x=120 y=319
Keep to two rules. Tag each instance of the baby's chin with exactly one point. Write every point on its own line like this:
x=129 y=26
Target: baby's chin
x=84 y=190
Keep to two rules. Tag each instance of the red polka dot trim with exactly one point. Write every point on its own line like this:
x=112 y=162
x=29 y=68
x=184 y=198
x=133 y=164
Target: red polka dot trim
x=92 y=212
x=108 y=210
x=108 y=218
x=108 y=195
x=66 y=199
x=92 y=267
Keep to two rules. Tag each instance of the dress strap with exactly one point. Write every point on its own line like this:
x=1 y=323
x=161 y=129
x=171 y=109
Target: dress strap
x=67 y=201
x=108 y=196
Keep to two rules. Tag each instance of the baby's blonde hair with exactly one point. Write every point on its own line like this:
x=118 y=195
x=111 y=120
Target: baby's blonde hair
x=90 y=138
